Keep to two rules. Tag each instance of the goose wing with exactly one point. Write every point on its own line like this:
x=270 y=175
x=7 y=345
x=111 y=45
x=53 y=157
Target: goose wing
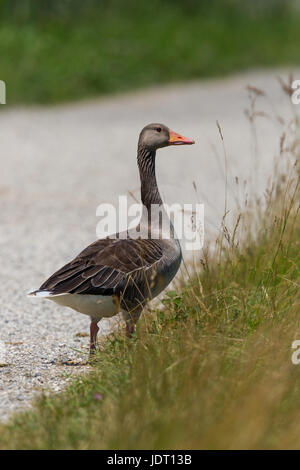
x=109 y=267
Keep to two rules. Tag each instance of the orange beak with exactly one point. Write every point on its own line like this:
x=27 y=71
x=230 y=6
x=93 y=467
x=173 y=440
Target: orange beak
x=177 y=139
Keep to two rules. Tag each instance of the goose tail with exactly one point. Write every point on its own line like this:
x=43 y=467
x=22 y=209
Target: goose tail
x=42 y=293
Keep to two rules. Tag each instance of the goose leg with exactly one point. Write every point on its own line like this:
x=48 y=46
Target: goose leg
x=131 y=319
x=94 y=328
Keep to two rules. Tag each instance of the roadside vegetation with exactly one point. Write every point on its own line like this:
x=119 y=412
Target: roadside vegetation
x=211 y=370
x=68 y=49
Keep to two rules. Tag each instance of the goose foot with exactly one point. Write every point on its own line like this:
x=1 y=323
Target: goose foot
x=130 y=329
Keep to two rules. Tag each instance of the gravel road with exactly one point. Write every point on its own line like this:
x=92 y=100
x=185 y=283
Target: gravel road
x=59 y=163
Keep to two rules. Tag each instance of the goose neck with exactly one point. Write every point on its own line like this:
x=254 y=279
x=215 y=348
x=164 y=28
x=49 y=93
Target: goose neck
x=149 y=189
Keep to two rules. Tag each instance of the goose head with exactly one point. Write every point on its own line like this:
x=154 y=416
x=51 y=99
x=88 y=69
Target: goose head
x=155 y=136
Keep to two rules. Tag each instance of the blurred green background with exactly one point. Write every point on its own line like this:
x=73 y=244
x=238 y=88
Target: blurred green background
x=60 y=50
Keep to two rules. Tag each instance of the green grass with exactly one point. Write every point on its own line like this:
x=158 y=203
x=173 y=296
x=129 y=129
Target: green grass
x=70 y=50
x=211 y=370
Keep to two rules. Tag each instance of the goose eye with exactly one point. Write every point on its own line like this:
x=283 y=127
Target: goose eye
x=158 y=129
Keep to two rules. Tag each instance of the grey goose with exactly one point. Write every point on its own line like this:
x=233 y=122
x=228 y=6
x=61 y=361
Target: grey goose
x=121 y=273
